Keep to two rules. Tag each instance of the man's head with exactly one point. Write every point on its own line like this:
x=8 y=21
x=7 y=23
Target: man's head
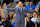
x=31 y=3
x=27 y=3
x=20 y=4
x=4 y=6
x=10 y=3
x=28 y=15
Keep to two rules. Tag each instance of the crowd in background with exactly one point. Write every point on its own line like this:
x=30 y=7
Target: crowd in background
x=32 y=17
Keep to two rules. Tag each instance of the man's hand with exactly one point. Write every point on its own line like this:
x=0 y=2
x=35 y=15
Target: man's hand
x=36 y=9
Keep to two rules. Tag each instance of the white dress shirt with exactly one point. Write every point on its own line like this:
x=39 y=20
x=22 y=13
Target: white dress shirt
x=34 y=19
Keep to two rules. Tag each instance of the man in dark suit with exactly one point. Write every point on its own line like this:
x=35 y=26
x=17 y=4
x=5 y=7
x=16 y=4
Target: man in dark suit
x=20 y=15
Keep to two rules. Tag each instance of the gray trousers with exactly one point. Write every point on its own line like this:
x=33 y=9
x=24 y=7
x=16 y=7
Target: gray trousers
x=20 y=23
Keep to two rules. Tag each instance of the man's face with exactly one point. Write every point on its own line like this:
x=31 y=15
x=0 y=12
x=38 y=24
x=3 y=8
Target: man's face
x=31 y=3
x=4 y=5
x=20 y=4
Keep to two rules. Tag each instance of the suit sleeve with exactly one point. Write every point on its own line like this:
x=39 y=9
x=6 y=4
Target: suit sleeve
x=11 y=9
x=26 y=10
x=30 y=11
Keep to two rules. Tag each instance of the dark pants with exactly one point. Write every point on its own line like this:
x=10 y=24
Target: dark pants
x=38 y=25
x=30 y=24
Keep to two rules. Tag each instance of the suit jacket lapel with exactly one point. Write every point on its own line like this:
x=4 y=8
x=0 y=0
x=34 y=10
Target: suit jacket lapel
x=21 y=11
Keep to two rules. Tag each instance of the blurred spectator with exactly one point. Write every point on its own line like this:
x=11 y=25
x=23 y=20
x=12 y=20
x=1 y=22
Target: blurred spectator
x=6 y=22
x=5 y=10
x=1 y=12
x=9 y=5
x=13 y=21
x=31 y=8
x=38 y=20
x=16 y=1
x=17 y=4
x=34 y=1
x=1 y=15
x=28 y=15
x=25 y=12
x=26 y=3
x=11 y=17
x=38 y=5
x=29 y=22
x=34 y=18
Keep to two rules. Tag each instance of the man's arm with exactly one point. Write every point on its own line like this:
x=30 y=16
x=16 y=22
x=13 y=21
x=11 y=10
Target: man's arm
x=11 y=9
x=2 y=14
x=30 y=11
x=25 y=9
